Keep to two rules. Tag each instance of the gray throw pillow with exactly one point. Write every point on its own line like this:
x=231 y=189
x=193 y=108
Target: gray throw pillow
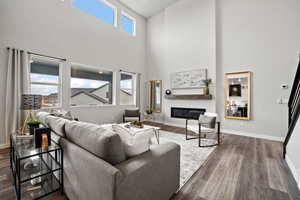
x=208 y=122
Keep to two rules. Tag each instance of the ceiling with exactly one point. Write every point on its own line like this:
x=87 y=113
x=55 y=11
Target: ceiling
x=147 y=8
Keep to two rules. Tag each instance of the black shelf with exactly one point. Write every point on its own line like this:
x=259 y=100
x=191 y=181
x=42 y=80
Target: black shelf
x=189 y=97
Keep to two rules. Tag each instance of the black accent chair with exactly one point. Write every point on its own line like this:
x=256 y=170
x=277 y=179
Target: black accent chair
x=131 y=115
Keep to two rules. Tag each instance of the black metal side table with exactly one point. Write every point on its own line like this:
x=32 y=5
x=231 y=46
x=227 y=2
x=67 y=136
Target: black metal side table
x=36 y=172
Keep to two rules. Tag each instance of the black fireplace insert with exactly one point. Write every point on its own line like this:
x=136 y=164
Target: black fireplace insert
x=187 y=113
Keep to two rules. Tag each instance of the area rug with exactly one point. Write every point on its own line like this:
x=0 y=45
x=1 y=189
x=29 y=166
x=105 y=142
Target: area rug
x=191 y=156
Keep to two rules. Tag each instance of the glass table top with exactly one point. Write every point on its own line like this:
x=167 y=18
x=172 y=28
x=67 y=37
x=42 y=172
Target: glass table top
x=26 y=147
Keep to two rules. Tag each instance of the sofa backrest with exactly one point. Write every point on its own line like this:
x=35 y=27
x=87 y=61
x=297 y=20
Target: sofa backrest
x=97 y=140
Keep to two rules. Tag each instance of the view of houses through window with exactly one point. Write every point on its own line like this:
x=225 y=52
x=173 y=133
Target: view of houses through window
x=127 y=88
x=45 y=81
x=88 y=85
x=91 y=86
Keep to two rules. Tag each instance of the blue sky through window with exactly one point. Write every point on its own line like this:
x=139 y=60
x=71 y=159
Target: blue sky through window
x=97 y=9
x=127 y=24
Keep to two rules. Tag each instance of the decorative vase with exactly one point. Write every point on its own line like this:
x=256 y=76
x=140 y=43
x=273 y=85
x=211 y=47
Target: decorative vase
x=32 y=127
x=206 y=90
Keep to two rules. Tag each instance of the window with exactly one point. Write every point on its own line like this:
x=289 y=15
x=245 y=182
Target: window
x=127 y=88
x=91 y=86
x=128 y=24
x=100 y=9
x=45 y=81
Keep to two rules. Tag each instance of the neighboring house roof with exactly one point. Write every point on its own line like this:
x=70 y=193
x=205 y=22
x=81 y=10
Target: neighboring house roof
x=89 y=92
x=77 y=91
x=127 y=91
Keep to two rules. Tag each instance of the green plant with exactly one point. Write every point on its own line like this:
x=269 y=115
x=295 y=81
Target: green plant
x=149 y=111
x=207 y=82
x=137 y=123
x=33 y=122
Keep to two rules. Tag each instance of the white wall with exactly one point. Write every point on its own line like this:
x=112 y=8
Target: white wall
x=181 y=38
x=54 y=28
x=261 y=36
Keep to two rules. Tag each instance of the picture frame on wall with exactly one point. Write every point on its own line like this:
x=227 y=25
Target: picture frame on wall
x=192 y=79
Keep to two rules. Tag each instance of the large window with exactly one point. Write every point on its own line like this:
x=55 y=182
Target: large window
x=98 y=8
x=91 y=86
x=45 y=81
x=127 y=88
x=128 y=23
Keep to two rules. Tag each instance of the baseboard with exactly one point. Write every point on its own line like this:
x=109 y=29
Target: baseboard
x=4 y=146
x=293 y=170
x=254 y=135
x=233 y=132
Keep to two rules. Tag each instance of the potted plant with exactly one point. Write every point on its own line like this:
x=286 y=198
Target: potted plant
x=33 y=124
x=207 y=82
x=137 y=124
x=149 y=111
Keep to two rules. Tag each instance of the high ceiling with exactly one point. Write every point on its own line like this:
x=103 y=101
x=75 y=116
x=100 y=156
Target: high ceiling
x=147 y=8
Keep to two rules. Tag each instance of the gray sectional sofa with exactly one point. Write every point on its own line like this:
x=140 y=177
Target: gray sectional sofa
x=96 y=167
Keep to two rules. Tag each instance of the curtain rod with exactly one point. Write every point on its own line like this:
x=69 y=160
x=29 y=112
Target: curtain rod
x=37 y=54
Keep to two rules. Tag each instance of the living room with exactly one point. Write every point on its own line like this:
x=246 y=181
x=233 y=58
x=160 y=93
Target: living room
x=100 y=60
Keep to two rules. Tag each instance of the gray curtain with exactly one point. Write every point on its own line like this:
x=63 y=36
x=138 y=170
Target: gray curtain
x=16 y=85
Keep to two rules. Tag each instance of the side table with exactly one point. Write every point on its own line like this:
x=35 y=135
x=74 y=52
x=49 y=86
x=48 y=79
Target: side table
x=36 y=172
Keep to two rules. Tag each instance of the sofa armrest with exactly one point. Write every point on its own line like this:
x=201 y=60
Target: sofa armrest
x=87 y=176
x=152 y=175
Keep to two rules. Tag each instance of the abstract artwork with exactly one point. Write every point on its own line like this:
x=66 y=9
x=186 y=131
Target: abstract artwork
x=188 y=79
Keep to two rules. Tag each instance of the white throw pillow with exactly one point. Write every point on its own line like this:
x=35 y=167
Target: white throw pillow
x=135 y=141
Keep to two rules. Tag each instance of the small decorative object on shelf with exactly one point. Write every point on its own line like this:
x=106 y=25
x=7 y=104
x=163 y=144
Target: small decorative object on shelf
x=168 y=92
x=33 y=124
x=149 y=111
x=137 y=124
x=207 y=82
x=42 y=137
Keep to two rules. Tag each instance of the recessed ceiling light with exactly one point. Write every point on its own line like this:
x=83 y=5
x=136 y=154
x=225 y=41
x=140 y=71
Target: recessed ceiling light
x=100 y=72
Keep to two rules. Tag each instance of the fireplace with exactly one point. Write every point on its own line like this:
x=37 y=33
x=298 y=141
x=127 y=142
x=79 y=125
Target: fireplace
x=187 y=113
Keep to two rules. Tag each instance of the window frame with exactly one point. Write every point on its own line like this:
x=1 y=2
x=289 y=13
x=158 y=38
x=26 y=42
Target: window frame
x=115 y=9
x=59 y=85
x=109 y=4
x=125 y=14
x=85 y=66
x=134 y=85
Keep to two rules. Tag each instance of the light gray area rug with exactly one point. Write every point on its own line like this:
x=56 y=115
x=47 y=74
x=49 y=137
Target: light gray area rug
x=191 y=156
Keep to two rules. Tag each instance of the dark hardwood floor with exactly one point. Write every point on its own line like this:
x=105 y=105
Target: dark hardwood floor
x=242 y=168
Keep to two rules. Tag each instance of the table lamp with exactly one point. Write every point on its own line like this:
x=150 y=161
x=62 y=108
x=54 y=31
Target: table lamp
x=30 y=102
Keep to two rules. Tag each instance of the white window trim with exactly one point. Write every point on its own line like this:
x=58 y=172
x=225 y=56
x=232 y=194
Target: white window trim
x=115 y=10
x=134 y=86
x=131 y=18
x=92 y=67
x=59 y=84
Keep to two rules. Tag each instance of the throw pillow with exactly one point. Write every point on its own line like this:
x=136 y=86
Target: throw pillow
x=135 y=141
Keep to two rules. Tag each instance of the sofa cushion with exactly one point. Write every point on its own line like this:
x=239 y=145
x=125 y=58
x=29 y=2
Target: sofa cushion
x=56 y=124
x=97 y=140
x=42 y=116
x=135 y=141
